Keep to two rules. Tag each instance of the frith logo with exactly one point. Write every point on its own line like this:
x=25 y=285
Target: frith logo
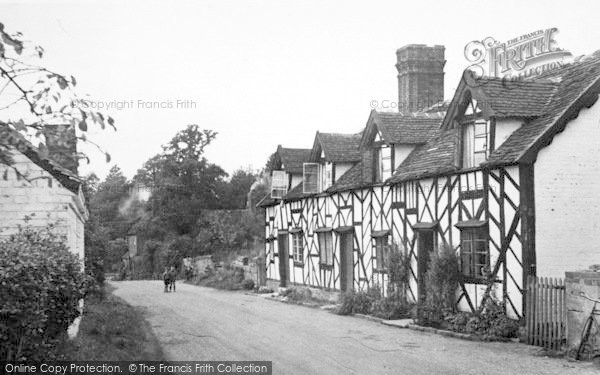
x=526 y=56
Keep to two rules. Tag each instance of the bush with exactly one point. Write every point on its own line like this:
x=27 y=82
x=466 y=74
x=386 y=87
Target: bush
x=297 y=294
x=390 y=308
x=42 y=285
x=441 y=282
x=227 y=278
x=264 y=290
x=358 y=302
x=248 y=284
x=491 y=323
x=399 y=273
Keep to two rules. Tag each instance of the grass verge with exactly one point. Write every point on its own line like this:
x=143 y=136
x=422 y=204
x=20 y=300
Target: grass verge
x=112 y=330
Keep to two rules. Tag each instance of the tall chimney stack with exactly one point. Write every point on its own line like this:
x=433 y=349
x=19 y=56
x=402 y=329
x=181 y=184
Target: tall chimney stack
x=61 y=141
x=420 y=76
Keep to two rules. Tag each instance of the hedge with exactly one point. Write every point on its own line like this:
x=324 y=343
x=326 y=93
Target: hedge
x=41 y=284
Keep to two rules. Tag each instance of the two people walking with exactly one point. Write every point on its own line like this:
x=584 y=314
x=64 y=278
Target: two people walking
x=169 y=278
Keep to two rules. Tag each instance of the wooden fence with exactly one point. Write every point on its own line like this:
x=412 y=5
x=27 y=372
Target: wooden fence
x=545 y=312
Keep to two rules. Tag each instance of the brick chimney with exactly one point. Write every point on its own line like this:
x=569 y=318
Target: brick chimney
x=420 y=76
x=61 y=141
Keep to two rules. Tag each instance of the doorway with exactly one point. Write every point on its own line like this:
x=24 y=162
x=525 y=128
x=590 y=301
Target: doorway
x=346 y=261
x=425 y=248
x=284 y=259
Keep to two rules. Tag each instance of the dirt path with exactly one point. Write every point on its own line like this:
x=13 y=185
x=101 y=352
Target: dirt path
x=205 y=324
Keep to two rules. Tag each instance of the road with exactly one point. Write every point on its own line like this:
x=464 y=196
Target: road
x=197 y=323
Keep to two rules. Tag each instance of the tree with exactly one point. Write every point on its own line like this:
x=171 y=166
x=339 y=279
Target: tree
x=182 y=181
x=37 y=97
x=105 y=205
x=235 y=191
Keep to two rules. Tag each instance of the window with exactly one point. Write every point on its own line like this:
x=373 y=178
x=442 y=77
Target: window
x=326 y=248
x=279 y=184
x=382 y=253
x=310 y=178
x=474 y=252
x=475 y=136
x=475 y=142
x=298 y=248
x=270 y=251
x=383 y=169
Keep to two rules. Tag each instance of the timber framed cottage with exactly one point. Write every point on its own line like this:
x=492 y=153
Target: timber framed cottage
x=505 y=174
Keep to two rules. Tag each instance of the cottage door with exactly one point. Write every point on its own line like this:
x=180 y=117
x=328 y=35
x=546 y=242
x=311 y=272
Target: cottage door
x=346 y=262
x=425 y=246
x=284 y=259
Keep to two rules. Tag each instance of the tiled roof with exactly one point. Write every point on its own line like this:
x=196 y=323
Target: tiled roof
x=338 y=148
x=433 y=158
x=297 y=193
x=554 y=99
x=578 y=86
x=352 y=179
x=267 y=201
x=517 y=99
x=293 y=158
x=399 y=128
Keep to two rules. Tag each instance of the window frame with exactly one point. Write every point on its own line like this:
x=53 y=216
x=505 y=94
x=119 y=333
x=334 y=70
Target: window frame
x=323 y=237
x=469 y=238
x=382 y=253
x=382 y=173
x=472 y=120
x=308 y=175
x=298 y=249
x=279 y=184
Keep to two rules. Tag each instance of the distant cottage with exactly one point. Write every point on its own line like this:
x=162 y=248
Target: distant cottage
x=45 y=190
x=505 y=174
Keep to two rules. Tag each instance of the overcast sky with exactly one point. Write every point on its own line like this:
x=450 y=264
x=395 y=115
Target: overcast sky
x=262 y=73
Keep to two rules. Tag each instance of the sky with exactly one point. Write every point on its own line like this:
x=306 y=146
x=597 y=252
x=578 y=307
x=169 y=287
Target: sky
x=260 y=73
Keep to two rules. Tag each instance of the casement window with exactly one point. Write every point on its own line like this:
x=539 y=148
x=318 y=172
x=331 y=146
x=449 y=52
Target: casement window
x=279 y=184
x=310 y=178
x=475 y=136
x=298 y=249
x=326 y=248
x=474 y=252
x=383 y=158
x=382 y=250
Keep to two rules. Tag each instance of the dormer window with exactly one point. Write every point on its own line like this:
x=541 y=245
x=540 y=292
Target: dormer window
x=475 y=136
x=383 y=160
x=279 y=184
x=310 y=178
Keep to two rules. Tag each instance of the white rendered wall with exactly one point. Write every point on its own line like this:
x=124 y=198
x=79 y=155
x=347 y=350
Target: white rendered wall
x=567 y=198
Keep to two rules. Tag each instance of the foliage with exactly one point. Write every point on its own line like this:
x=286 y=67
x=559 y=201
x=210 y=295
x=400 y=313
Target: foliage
x=111 y=330
x=235 y=192
x=297 y=294
x=399 y=274
x=182 y=181
x=248 y=284
x=115 y=251
x=390 y=308
x=264 y=290
x=224 y=231
x=441 y=283
x=42 y=97
x=360 y=302
x=228 y=278
x=42 y=285
x=491 y=323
